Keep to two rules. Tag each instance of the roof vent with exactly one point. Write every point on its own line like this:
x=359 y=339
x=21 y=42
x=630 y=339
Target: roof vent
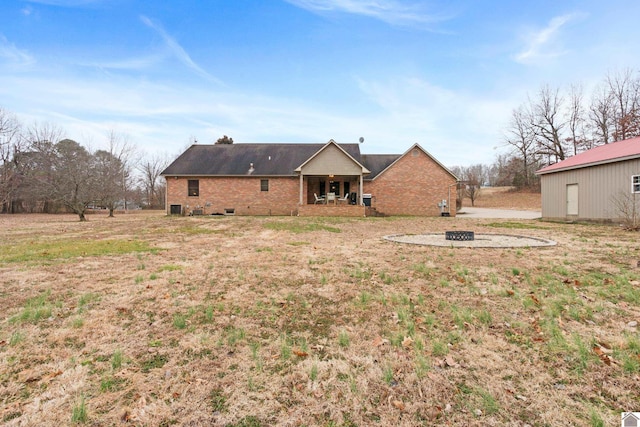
x=251 y=169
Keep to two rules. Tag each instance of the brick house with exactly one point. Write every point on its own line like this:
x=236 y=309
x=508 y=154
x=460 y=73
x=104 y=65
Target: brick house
x=306 y=179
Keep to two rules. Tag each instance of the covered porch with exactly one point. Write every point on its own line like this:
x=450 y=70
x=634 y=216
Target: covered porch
x=331 y=190
x=331 y=179
x=331 y=195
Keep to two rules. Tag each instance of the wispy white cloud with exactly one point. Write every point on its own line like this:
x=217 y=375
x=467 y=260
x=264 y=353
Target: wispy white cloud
x=13 y=55
x=390 y=11
x=177 y=50
x=539 y=43
x=65 y=3
x=137 y=63
x=163 y=116
x=416 y=110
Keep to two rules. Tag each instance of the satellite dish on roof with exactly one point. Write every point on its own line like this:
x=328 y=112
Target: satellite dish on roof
x=361 y=140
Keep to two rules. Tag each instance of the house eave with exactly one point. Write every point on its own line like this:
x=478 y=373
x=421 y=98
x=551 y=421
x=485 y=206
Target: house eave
x=201 y=175
x=588 y=165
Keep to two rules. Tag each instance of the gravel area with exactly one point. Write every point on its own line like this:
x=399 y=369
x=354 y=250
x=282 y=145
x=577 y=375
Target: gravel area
x=473 y=212
x=480 y=241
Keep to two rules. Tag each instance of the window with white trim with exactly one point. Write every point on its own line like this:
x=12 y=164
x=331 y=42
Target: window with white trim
x=635 y=184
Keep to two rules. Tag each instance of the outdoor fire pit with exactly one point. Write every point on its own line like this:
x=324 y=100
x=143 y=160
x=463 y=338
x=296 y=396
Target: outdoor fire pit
x=459 y=235
x=467 y=239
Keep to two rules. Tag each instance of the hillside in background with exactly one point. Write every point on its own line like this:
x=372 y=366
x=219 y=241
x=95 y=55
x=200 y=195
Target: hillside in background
x=506 y=198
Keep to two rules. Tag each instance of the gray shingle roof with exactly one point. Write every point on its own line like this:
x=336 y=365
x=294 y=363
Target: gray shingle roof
x=236 y=159
x=376 y=163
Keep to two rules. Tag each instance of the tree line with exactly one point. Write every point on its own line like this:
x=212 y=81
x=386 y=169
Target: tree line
x=556 y=123
x=41 y=171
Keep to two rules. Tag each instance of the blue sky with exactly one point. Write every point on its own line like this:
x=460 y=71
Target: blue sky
x=444 y=74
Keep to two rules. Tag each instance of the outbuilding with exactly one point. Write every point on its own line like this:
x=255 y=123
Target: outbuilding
x=600 y=184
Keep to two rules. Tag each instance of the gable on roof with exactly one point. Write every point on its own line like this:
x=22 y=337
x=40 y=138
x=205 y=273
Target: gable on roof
x=609 y=153
x=382 y=162
x=332 y=159
x=630 y=420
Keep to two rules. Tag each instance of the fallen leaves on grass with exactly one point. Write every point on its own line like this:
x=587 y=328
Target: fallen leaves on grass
x=300 y=353
x=407 y=342
x=535 y=299
x=398 y=404
x=601 y=353
x=450 y=362
x=379 y=341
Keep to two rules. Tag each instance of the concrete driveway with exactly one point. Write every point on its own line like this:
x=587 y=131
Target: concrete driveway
x=469 y=212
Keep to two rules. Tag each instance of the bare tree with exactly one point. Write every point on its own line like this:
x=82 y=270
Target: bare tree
x=151 y=167
x=62 y=173
x=602 y=116
x=576 y=120
x=43 y=134
x=521 y=137
x=39 y=164
x=474 y=179
x=10 y=145
x=548 y=123
x=625 y=91
x=113 y=171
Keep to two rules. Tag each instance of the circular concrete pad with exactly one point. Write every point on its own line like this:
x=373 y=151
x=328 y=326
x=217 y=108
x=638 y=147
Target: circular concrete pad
x=481 y=241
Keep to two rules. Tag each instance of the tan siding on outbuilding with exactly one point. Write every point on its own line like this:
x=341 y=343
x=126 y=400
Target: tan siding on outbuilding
x=597 y=188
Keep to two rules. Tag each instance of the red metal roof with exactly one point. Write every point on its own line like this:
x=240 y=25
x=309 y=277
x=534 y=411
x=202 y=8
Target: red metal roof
x=608 y=153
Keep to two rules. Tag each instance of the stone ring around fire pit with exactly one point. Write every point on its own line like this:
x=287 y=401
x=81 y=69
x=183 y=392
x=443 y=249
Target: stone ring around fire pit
x=478 y=241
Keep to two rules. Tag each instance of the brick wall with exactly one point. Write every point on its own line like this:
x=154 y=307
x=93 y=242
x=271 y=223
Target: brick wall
x=241 y=194
x=413 y=186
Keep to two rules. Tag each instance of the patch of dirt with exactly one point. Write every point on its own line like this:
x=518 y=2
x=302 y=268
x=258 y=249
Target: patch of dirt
x=231 y=321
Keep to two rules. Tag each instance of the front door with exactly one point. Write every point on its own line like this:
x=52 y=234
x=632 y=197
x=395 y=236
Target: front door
x=572 y=199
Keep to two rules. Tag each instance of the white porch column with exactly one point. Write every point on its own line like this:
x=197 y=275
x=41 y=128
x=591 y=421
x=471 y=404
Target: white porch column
x=361 y=190
x=301 y=188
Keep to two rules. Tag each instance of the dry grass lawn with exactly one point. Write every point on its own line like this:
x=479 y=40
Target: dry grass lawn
x=150 y=320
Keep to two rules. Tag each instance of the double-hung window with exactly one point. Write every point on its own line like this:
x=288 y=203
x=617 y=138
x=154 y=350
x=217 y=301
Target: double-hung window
x=194 y=187
x=635 y=184
x=264 y=185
